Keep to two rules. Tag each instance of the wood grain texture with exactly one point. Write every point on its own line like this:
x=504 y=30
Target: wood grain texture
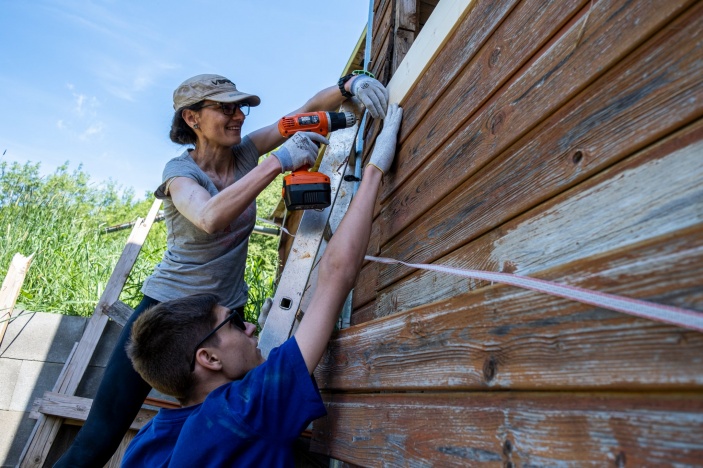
x=508 y=338
x=627 y=109
x=574 y=58
x=507 y=429
x=487 y=61
x=653 y=192
x=379 y=39
x=613 y=29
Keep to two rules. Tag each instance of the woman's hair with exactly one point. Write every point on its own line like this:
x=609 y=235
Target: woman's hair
x=163 y=340
x=181 y=132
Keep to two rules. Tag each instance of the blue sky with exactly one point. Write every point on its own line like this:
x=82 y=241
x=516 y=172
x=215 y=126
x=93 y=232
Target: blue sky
x=91 y=82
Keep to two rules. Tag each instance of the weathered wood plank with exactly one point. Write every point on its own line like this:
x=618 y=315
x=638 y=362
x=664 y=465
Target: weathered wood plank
x=612 y=30
x=439 y=29
x=508 y=429
x=493 y=60
x=77 y=408
x=379 y=36
x=405 y=29
x=653 y=192
x=508 y=338
x=406 y=15
x=434 y=70
x=11 y=287
x=46 y=429
x=625 y=110
x=119 y=312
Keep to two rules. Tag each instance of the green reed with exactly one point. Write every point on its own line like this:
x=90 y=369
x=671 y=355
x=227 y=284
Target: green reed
x=60 y=218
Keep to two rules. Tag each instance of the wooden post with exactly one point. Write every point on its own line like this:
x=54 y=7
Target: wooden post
x=11 y=287
x=47 y=427
x=439 y=27
x=406 y=26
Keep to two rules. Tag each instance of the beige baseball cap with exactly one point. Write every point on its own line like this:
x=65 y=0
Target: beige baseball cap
x=213 y=87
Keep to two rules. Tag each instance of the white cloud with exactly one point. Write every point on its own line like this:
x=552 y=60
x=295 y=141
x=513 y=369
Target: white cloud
x=92 y=131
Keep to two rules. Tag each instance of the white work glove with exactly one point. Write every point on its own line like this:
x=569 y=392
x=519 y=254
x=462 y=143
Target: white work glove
x=264 y=313
x=299 y=150
x=384 y=148
x=372 y=94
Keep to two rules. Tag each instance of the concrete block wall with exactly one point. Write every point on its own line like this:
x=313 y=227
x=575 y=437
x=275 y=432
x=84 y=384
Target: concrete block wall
x=32 y=354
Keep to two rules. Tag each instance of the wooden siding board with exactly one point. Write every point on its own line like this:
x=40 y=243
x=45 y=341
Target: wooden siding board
x=503 y=337
x=629 y=107
x=459 y=49
x=634 y=200
x=563 y=70
x=546 y=84
x=494 y=60
x=535 y=429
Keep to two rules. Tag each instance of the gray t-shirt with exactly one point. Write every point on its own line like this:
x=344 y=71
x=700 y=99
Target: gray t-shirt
x=198 y=262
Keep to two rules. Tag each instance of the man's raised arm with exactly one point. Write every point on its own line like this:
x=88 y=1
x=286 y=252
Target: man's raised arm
x=345 y=252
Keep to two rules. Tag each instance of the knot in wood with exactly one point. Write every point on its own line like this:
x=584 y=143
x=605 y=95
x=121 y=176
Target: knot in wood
x=620 y=460
x=497 y=122
x=507 y=447
x=490 y=369
x=577 y=157
x=493 y=59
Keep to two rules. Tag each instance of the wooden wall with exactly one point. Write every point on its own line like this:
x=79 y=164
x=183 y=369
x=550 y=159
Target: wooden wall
x=556 y=139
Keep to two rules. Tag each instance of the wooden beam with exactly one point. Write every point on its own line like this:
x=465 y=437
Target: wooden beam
x=77 y=409
x=406 y=29
x=509 y=429
x=11 y=287
x=119 y=312
x=443 y=21
x=47 y=427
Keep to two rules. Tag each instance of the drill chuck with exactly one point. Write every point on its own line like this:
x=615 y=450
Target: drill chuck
x=340 y=120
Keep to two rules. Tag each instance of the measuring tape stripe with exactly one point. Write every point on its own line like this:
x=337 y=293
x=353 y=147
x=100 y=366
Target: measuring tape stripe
x=662 y=313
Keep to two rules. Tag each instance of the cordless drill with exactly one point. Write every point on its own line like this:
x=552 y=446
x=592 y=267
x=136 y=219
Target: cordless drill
x=302 y=189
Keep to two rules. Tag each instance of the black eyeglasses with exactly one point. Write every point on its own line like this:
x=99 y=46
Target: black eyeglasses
x=229 y=108
x=234 y=318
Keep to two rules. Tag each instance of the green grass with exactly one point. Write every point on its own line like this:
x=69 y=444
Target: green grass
x=60 y=218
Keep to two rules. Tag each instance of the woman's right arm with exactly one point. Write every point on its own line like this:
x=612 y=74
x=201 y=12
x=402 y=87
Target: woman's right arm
x=214 y=214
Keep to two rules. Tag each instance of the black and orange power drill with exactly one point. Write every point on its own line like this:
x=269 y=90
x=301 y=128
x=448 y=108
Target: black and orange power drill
x=304 y=189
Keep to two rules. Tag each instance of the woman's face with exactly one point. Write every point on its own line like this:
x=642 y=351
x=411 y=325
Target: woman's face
x=218 y=128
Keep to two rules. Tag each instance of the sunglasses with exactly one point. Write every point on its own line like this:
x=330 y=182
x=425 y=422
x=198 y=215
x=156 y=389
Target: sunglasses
x=234 y=319
x=229 y=108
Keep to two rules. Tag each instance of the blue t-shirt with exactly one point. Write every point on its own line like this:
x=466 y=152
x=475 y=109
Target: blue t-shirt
x=249 y=422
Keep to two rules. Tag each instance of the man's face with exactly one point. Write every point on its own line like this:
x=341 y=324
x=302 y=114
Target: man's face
x=238 y=349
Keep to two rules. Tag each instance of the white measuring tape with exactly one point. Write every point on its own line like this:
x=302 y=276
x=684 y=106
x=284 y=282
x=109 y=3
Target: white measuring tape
x=662 y=313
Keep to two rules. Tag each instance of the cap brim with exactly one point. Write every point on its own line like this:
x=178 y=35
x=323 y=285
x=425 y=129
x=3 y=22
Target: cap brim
x=252 y=99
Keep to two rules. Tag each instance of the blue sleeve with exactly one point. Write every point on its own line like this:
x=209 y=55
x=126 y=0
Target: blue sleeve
x=279 y=398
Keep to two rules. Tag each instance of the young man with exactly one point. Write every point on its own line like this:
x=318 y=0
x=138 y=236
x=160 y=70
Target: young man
x=239 y=409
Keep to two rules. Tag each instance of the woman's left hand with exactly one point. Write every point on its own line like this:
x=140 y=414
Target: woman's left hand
x=372 y=94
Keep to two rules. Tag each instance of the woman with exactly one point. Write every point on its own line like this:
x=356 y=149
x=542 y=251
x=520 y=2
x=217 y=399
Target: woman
x=209 y=195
